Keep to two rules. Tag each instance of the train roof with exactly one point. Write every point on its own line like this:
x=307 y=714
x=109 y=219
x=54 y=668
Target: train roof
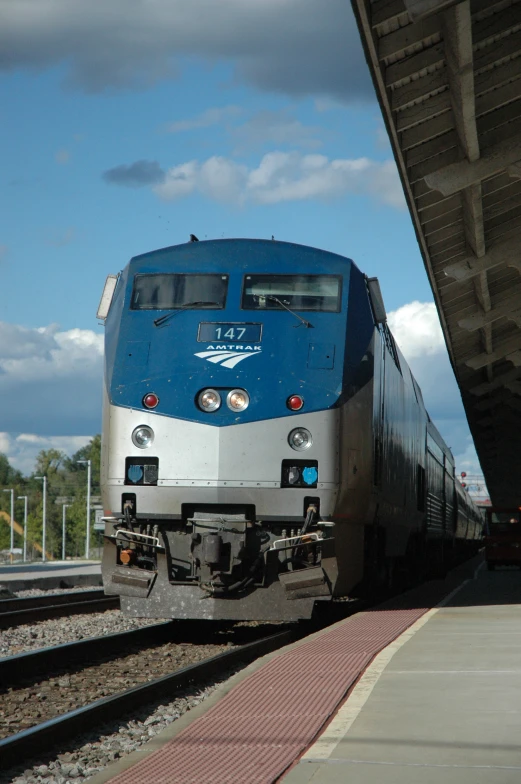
x=235 y=242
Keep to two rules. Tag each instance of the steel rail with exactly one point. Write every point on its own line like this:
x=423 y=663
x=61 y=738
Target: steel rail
x=42 y=737
x=14 y=612
x=28 y=666
x=44 y=599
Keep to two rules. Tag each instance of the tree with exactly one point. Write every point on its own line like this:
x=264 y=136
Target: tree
x=8 y=474
x=76 y=525
x=10 y=478
x=66 y=484
x=49 y=462
x=92 y=452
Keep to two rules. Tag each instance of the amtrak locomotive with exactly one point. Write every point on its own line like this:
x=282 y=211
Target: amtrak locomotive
x=264 y=444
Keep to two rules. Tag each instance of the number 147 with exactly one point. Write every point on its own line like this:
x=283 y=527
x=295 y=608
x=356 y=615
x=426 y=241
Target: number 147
x=234 y=333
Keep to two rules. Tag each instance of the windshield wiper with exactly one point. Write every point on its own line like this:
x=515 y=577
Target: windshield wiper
x=307 y=324
x=167 y=316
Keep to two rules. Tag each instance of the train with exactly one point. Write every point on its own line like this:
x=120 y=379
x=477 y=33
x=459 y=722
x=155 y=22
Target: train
x=265 y=446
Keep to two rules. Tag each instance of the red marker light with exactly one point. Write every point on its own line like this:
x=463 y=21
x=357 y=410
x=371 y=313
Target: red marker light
x=151 y=400
x=295 y=402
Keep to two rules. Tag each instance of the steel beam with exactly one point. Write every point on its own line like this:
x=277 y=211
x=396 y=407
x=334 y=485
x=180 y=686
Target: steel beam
x=498 y=382
x=402 y=39
x=509 y=308
x=506 y=253
x=457 y=176
x=514 y=387
x=457 y=37
x=385 y=11
x=503 y=350
x=419 y=9
x=491 y=402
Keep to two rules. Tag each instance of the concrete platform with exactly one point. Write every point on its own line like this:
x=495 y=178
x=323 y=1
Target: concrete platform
x=51 y=574
x=262 y=725
x=441 y=705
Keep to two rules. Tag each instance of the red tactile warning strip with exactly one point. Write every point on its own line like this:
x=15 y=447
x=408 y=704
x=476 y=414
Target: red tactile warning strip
x=261 y=727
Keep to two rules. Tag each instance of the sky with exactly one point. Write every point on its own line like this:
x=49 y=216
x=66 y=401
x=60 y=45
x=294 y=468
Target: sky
x=129 y=124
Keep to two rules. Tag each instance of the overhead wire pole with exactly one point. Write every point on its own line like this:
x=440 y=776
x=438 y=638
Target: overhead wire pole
x=25 y=500
x=11 y=548
x=64 y=507
x=44 y=515
x=87 y=541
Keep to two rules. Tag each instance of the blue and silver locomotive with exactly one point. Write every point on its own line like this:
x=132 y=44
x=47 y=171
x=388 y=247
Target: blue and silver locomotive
x=264 y=442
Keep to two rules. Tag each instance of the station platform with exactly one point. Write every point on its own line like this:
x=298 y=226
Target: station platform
x=426 y=688
x=49 y=575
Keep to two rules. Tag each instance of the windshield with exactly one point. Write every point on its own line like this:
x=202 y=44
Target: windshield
x=299 y=292
x=505 y=522
x=168 y=292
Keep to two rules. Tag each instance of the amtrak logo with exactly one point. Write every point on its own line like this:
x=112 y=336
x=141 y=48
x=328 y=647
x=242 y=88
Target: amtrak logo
x=228 y=356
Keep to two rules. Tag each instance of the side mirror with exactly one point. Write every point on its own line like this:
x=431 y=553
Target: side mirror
x=106 y=297
x=377 y=302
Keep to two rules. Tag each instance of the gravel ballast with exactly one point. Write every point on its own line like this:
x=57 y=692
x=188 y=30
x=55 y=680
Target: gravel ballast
x=56 y=631
x=95 y=751
x=25 y=706
x=30 y=592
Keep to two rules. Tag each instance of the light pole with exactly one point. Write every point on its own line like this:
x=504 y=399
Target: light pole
x=87 y=542
x=44 y=532
x=64 y=507
x=25 y=499
x=12 y=520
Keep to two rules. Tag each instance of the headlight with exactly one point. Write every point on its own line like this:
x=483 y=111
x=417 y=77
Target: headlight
x=237 y=400
x=300 y=439
x=209 y=400
x=142 y=436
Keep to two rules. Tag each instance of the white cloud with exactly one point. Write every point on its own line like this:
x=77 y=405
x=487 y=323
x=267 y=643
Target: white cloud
x=467 y=460
x=276 y=128
x=382 y=138
x=5 y=443
x=19 y=342
x=23 y=449
x=213 y=116
x=50 y=381
x=179 y=181
x=417 y=331
x=283 y=176
x=263 y=128
x=285 y=46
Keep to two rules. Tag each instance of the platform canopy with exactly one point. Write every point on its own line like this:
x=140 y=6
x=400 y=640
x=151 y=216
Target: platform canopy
x=448 y=78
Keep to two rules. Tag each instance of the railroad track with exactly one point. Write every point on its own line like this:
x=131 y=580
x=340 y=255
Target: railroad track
x=27 y=667
x=28 y=743
x=22 y=687
x=14 y=612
